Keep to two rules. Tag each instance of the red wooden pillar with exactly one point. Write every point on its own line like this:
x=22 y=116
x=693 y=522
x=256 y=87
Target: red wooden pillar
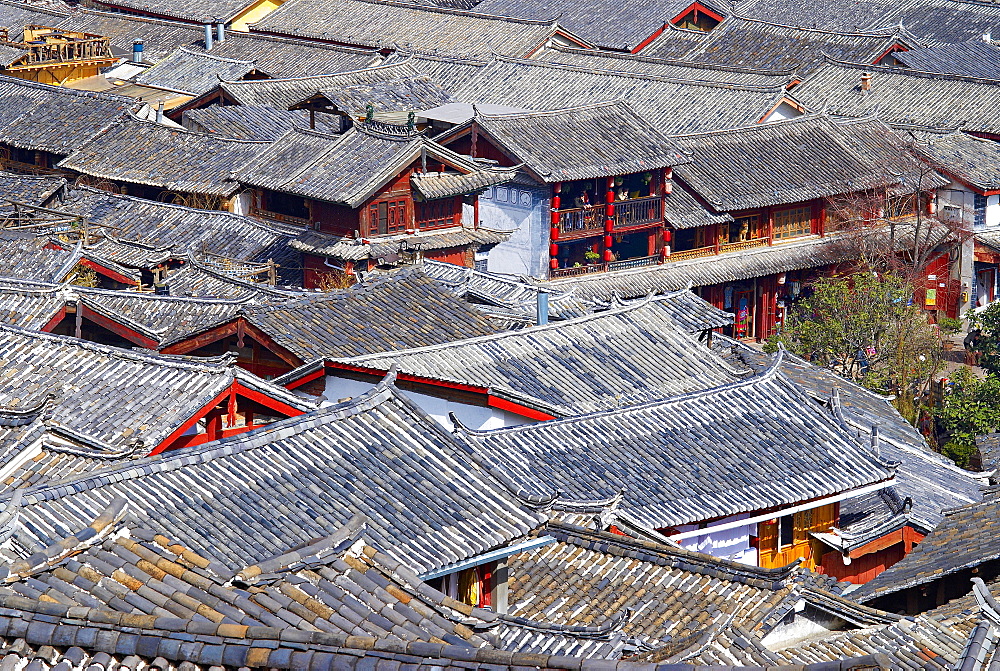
x=715 y=238
x=554 y=230
x=213 y=424
x=770 y=226
x=609 y=221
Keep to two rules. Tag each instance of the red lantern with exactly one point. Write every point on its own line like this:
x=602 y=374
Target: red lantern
x=609 y=225
x=553 y=263
x=553 y=249
x=668 y=188
x=607 y=256
x=554 y=233
x=667 y=235
x=556 y=200
x=607 y=241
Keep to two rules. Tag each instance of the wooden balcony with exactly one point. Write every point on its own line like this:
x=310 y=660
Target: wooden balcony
x=742 y=245
x=606 y=267
x=685 y=254
x=10 y=165
x=580 y=222
x=275 y=216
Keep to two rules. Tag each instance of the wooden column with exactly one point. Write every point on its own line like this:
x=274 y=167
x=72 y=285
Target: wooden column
x=554 y=230
x=609 y=221
x=213 y=424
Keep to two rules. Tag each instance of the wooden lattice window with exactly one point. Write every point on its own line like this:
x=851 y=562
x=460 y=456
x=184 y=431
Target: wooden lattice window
x=792 y=223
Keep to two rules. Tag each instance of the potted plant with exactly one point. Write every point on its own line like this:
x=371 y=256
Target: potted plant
x=591 y=256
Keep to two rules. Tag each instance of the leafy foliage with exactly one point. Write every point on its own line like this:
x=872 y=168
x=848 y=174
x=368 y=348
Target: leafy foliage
x=864 y=327
x=970 y=408
x=988 y=322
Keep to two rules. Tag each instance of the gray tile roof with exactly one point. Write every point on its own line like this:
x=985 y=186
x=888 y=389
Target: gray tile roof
x=55 y=119
x=776 y=163
x=356 y=249
x=772 y=46
x=671 y=105
x=111 y=395
x=182 y=10
x=33 y=258
x=974 y=58
x=931 y=482
x=503 y=291
x=419 y=28
x=811 y=252
x=596 y=140
x=253 y=122
x=403 y=311
x=847 y=16
x=28 y=305
x=630 y=24
x=300 y=479
x=972 y=160
x=14 y=16
x=347 y=168
x=30 y=189
x=903 y=96
x=193 y=72
x=176 y=229
x=648 y=594
x=941 y=21
x=667 y=67
x=607 y=360
x=405 y=94
x=965 y=538
x=283 y=93
x=142 y=152
x=683 y=209
x=700 y=456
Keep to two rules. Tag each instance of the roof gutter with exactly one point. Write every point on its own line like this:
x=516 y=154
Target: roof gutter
x=478 y=560
x=786 y=511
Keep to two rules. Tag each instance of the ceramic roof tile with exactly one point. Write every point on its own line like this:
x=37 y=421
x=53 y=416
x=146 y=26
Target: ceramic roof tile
x=651 y=452
x=419 y=28
x=640 y=351
x=974 y=58
x=273 y=488
x=55 y=119
x=142 y=152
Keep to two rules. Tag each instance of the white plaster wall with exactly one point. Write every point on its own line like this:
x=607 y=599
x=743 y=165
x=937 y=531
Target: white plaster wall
x=782 y=112
x=731 y=544
x=523 y=212
x=959 y=197
x=992 y=211
x=472 y=416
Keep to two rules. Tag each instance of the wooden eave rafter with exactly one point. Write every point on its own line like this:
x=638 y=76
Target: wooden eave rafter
x=237 y=326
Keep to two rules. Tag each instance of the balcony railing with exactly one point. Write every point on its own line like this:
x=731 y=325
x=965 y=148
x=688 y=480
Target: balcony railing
x=636 y=212
x=582 y=221
x=275 y=216
x=11 y=165
x=696 y=253
x=606 y=267
x=742 y=245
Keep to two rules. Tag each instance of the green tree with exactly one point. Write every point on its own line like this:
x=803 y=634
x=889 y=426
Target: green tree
x=864 y=327
x=970 y=407
x=988 y=322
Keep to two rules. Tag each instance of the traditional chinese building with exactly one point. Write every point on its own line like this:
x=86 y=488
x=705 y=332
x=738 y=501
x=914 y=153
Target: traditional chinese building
x=54 y=56
x=592 y=191
x=377 y=194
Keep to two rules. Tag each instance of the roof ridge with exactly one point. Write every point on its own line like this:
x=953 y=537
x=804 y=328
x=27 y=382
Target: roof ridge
x=826 y=31
x=612 y=55
x=187 y=50
x=579 y=536
x=374 y=68
x=110 y=293
x=757 y=127
x=638 y=75
x=459 y=12
x=520 y=333
x=829 y=60
x=766 y=375
x=145 y=356
x=231 y=445
x=63 y=90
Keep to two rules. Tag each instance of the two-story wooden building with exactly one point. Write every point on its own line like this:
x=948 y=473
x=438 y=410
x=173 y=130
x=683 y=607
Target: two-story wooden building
x=591 y=190
x=377 y=194
x=758 y=211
